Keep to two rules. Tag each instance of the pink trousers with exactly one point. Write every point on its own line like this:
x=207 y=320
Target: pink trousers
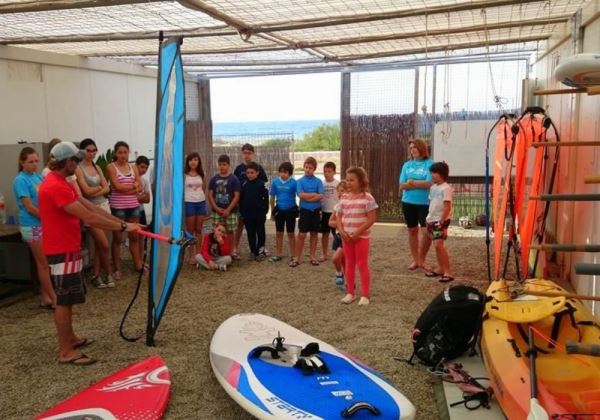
x=357 y=254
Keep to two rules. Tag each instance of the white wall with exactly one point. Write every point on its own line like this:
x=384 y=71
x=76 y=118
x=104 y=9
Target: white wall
x=578 y=118
x=44 y=95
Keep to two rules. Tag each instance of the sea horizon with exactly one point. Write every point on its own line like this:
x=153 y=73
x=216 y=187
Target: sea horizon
x=295 y=128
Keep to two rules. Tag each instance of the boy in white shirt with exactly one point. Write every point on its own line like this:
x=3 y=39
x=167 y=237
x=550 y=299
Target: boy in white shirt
x=330 y=199
x=438 y=219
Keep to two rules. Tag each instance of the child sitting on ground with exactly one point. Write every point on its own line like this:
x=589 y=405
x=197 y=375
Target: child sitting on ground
x=338 y=252
x=215 y=253
x=438 y=219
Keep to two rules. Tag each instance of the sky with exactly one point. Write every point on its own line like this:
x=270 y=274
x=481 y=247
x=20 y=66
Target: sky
x=276 y=98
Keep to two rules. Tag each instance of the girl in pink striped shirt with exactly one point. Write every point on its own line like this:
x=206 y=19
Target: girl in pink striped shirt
x=357 y=213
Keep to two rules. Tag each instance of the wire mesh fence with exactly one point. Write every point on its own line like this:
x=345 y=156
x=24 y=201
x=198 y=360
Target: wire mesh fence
x=271 y=149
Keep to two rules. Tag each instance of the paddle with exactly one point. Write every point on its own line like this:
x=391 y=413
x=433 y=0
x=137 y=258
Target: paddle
x=536 y=411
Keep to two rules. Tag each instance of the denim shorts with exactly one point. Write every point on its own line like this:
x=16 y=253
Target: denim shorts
x=195 y=209
x=31 y=233
x=125 y=214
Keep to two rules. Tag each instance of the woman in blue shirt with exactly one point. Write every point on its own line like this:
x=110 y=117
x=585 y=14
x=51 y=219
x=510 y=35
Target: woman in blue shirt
x=414 y=183
x=25 y=188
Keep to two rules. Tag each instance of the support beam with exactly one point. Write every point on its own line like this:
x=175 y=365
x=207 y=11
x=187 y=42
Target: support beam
x=249 y=49
x=223 y=31
x=46 y=5
x=567 y=247
x=592 y=179
x=345 y=100
x=371 y=17
x=566 y=197
x=587 y=269
x=567 y=144
x=438 y=48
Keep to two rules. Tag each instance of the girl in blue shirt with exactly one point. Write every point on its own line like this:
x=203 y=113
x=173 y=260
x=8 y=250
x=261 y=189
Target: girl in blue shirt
x=25 y=188
x=414 y=183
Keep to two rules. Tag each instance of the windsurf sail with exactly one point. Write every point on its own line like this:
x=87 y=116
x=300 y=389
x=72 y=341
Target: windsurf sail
x=167 y=210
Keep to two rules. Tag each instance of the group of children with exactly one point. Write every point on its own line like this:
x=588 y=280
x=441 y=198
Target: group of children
x=344 y=209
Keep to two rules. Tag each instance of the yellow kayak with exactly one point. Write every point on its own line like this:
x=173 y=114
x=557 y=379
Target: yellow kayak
x=567 y=384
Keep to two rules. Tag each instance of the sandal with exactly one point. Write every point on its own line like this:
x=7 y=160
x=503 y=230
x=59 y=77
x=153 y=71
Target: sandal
x=81 y=360
x=83 y=343
x=294 y=263
x=315 y=262
x=446 y=279
x=432 y=274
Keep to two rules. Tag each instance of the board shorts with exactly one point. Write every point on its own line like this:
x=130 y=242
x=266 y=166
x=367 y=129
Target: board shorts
x=124 y=214
x=438 y=230
x=66 y=273
x=415 y=214
x=325 y=228
x=230 y=221
x=285 y=219
x=31 y=233
x=310 y=221
x=195 y=209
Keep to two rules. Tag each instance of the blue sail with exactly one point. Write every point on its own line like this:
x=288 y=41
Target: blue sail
x=167 y=211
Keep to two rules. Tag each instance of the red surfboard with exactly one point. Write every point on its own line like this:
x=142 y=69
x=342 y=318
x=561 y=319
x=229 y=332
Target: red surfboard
x=140 y=391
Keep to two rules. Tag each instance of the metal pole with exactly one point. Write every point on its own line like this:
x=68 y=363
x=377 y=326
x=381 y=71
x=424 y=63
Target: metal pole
x=566 y=197
x=567 y=247
x=587 y=269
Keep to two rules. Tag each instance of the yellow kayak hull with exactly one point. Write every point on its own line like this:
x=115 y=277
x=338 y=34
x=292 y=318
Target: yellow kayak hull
x=566 y=383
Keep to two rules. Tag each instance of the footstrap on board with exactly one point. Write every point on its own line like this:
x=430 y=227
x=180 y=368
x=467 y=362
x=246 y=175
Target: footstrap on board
x=257 y=352
x=311 y=365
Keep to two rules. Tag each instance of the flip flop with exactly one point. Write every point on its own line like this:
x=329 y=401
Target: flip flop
x=81 y=360
x=432 y=274
x=294 y=264
x=47 y=306
x=83 y=343
x=315 y=262
x=446 y=279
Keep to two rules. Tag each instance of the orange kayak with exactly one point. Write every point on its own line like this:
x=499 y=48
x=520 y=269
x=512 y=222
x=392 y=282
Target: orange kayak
x=567 y=384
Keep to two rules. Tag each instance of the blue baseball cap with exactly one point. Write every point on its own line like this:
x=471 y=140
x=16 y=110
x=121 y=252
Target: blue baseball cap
x=66 y=150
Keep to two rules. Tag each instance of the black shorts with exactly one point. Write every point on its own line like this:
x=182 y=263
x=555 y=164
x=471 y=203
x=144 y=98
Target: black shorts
x=415 y=214
x=310 y=221
x=325 y=228
x=337 y=241
x=286 y=219
x=67 y=279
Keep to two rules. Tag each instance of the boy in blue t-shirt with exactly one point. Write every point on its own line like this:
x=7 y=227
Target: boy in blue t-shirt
x=284 y=209
x=310 y=191
x=223 y=196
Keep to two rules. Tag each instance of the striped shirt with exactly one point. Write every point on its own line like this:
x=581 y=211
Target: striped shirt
x=353 y=209
x=119 y=200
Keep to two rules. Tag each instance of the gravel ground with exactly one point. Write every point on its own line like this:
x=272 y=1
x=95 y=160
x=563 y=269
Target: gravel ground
x=304 y=297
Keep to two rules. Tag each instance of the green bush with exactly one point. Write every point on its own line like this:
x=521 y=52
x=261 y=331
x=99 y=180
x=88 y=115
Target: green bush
x=324 y=137
x=276 y=143
x=103 y=161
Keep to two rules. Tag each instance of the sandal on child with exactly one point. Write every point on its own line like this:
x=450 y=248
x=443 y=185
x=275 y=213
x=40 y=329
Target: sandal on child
x=315 y=262
x=294 y=263
x=432 y=274
x=446 y=279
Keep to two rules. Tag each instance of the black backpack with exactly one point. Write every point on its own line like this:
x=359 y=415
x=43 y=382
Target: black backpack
x=449 y=325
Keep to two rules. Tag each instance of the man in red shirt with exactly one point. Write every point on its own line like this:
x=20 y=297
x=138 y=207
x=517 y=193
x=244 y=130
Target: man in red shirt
x=61 y=213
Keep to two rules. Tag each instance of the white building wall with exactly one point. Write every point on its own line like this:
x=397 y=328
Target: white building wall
x=44 y=95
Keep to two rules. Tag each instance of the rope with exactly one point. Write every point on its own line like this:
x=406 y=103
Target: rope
x=135 y=295
x=498 y=100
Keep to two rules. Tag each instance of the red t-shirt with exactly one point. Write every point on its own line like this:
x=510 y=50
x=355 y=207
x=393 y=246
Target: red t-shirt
x=61 y=231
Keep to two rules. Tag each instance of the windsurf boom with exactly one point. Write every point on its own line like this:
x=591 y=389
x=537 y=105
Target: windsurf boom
x=167 y=212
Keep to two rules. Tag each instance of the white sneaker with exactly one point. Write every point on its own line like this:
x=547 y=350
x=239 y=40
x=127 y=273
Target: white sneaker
x=109 y=281
x=348 y=299
x=363 y=301
x=222 y=267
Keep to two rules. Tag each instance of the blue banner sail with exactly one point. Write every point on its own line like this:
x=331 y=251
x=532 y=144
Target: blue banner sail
x=167 y=211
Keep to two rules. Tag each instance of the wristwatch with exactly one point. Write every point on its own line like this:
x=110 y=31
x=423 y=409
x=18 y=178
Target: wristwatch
x=123 y=226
